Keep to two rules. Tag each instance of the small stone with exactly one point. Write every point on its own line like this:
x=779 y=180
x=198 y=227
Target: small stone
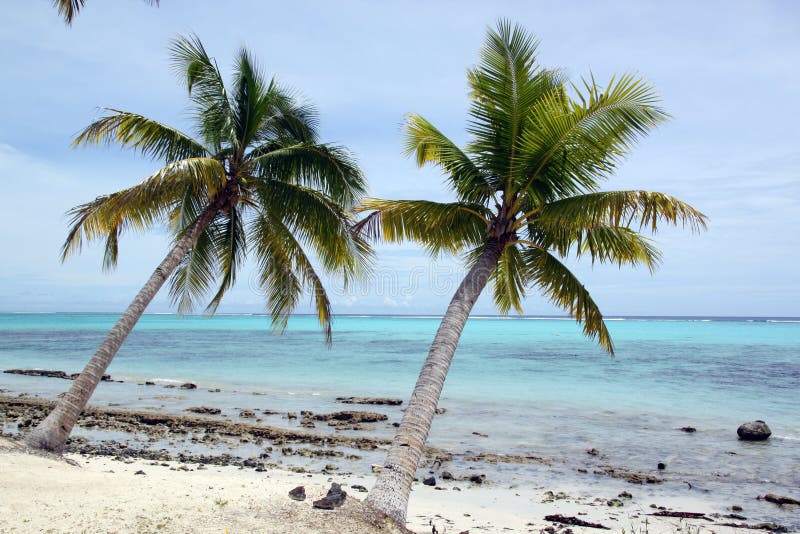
x=661 y=466
x=447 y=475
x=359 y=487
x=188 y=385
x=593 y=452
x=149 y=383
x=298 y=493
x=736 y=508
x=625 y=495
x=140 y=472
x=688 y=429
x=430 y=481
x=291 y=415
x=334 y=499
x=477 y=479
x=615 y=503
x=247 y=414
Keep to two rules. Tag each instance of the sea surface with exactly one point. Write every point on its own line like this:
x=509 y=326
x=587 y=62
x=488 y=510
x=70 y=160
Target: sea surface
x=530 y=385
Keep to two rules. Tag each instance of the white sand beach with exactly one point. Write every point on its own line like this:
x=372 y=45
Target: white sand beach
x=97 y=494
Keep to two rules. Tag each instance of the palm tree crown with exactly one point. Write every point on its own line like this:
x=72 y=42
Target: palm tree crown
x=258 y=165
x=529 y=179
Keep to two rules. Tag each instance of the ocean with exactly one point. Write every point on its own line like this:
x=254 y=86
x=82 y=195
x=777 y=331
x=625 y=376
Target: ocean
x=525 y=385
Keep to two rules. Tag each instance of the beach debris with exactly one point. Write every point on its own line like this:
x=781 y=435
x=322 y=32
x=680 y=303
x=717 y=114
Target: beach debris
x=358 y=487
x=756 y=430
x=247 y=414
x=661 y=466
x=298 y=493
x=334 y=499
x=615 y=503
x=388 y=401
x=430 y=481
x=688 y=429
x=188 y=385
x=204 y=410
x=770 y=527
x=573 y=521
x=682 y=515
x=780 y=500
x=50 y=374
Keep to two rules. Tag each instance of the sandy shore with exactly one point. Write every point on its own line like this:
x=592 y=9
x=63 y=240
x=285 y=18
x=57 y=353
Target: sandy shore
x=100 y=494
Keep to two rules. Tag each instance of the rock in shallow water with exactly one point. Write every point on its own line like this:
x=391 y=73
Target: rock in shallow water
x=754 y=431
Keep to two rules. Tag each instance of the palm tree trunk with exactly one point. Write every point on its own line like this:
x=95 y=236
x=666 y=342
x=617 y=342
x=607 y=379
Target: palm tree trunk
x=393 y=486
x=52 y=433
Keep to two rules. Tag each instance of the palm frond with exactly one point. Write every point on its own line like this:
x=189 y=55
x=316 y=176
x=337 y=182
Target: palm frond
x=573 y=145
x=69 y=9
x=230 y=246
x=143 y=205
x=644 y=209
x=564 y=290
x=429 y=145
x=439 y=227
x=508 y=284
x=330 y=169
x=193 y=278
x=151 y=138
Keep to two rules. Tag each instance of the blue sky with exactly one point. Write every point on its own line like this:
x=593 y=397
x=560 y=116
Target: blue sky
x=727 y=72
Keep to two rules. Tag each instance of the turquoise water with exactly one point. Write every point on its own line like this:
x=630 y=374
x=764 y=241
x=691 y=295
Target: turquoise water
x=533 y=385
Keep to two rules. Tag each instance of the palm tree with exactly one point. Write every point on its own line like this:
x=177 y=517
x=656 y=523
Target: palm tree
x=69 y=9
x=256 y=178
x=528 y=193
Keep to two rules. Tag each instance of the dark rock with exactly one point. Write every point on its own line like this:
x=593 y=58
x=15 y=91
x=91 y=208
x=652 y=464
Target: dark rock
x=593 y=452
x=334 y=499
x=204 y=410
x=214 y=390
x=754 y=431
x=780 y=500
x=661 y=466
x=139 y=472
x=447 y=475
x=625 y=495
x=736 y=508
x=688 y=429
x=736 y=516
x=573 y=521
x=441 y=411
x=298 y=493
x=615 y=503
x=247 y=414
x=149 y=383
x=188 y=385
x=771 y=527
x=359 y=487
x=370 y=400
x=291 y=415
x=477 y=479
x=50 y=374
x=683 y=515
x=480 y=434
x=430 y=481
x=351 y=417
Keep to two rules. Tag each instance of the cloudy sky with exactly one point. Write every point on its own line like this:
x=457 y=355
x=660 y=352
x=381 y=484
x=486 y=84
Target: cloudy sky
x=727 y=72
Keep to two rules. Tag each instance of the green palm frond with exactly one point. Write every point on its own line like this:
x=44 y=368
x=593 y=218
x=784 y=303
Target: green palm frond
x=602 y=243
x=429 y=145
x=151 y=138
x=508 y=283
x=328 y=168
x=230 y=245
x=573 y=145
x=284 y=269
x=141 y=206
x=192 y=280
x=643 y=209
x=439 y=227
x=564 y=290
x=69 y=9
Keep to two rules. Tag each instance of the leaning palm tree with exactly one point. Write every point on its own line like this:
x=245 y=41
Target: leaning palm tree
x=528 y=193
x=69 y=9
x=256 y=178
